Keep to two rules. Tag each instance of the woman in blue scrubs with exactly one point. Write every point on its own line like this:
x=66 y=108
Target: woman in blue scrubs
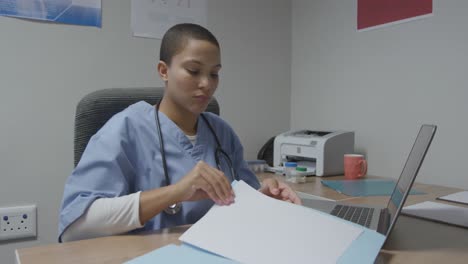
x=151 y=167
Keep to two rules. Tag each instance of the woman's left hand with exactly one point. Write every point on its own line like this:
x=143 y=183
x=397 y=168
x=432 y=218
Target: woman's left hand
x=279 y=190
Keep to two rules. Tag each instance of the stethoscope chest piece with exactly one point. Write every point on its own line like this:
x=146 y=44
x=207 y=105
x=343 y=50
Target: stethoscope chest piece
x=173 y=209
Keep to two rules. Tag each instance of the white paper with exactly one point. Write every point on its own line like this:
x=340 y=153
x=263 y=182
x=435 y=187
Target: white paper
x=152 y=18
x=459 y=197
x=446 y=213
x=260 y=229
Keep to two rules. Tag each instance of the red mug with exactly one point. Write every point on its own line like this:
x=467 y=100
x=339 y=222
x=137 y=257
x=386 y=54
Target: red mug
x=355 y=166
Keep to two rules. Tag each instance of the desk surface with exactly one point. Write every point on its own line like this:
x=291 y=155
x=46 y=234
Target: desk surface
x=413 y=240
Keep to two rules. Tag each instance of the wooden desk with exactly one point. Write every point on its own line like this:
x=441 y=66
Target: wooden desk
x=412 y=241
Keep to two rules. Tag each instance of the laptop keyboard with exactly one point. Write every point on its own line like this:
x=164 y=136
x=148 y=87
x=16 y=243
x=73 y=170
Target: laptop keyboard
x=359 y=215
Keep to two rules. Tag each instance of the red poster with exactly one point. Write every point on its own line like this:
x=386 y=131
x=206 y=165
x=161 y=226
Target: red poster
x=373 y=13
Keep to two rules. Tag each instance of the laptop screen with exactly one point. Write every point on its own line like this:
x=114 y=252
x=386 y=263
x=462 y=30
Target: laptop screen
x=410 y=170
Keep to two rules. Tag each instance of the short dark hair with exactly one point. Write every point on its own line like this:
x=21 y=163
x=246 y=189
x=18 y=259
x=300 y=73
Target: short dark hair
x=175 y=39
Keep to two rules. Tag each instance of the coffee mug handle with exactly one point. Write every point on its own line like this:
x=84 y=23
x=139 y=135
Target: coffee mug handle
x=363 y=168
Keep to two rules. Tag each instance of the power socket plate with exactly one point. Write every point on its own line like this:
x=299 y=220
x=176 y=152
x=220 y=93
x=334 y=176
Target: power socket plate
x=18 y=222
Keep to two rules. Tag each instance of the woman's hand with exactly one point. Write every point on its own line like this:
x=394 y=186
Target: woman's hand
x=279 y=190
x=203 y=182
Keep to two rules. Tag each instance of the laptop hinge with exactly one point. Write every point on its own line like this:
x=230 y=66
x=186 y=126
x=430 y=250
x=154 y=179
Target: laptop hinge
x=384 y=221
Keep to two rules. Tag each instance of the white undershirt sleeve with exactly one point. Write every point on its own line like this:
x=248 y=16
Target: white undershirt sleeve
x=106 y=216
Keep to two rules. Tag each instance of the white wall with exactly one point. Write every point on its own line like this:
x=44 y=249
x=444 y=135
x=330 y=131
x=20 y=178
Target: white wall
x=46 y=68
x=383 y=84
x=254 y=90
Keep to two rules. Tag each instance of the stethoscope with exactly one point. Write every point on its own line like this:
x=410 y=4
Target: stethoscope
x=175 y=208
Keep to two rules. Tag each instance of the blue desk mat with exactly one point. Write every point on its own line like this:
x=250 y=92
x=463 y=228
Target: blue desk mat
x=365 y=187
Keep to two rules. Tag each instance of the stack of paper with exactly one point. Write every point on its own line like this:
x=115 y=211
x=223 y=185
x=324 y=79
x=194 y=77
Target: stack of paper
x=459 y=197
x=445 y=213
x=260 y=229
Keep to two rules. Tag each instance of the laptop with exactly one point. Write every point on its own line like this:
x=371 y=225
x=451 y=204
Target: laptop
x=378 y=218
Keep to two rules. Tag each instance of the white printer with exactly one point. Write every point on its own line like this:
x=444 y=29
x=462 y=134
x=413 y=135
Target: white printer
x=319 y=151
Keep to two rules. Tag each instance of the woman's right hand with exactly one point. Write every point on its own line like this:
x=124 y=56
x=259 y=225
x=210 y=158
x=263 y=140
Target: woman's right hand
x=203 y=182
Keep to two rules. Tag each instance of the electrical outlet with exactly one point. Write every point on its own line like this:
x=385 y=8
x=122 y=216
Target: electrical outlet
x=18 y=222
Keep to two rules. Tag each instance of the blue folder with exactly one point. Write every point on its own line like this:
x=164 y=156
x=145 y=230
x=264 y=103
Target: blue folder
x=363 y=250
x=365 y=187
x=179 y=254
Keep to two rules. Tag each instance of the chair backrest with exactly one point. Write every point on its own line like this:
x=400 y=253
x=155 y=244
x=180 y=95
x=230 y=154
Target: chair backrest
x=93 y=111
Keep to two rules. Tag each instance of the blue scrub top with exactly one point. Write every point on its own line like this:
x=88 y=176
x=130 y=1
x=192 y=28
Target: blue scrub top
x=124 y=157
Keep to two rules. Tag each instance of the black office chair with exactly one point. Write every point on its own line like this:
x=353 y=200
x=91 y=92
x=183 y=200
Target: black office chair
x=93 y=111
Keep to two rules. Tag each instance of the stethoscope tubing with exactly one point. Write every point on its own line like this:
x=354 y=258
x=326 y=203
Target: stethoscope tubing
x=175 y=208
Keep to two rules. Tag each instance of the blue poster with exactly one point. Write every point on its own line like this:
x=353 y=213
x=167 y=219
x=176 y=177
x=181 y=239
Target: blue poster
x=77 y=12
